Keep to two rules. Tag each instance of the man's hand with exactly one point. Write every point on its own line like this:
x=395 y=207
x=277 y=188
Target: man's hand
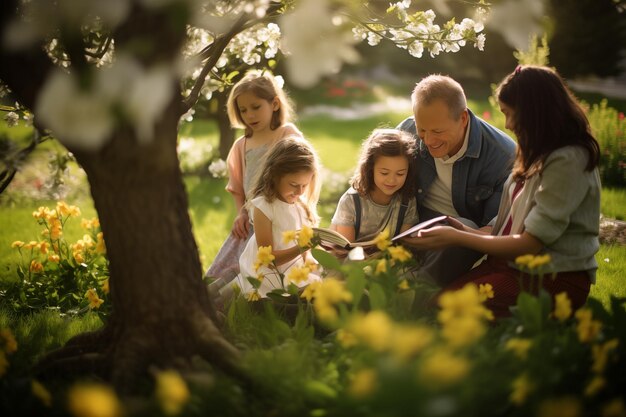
x=438 y=237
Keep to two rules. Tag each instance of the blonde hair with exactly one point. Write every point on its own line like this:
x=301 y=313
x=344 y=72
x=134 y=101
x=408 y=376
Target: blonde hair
x=440 y=87
x=385 y=142
x=263 y=85
x=290 y=155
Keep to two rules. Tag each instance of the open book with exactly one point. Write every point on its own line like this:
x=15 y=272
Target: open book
x=331 y=237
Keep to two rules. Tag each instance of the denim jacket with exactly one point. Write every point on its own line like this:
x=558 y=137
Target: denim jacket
x=477 y=177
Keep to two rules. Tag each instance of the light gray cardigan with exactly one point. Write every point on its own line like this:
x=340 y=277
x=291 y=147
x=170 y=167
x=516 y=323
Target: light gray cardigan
x=561 y=207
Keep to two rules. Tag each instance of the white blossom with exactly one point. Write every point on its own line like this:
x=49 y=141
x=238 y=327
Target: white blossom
x=76 y=117
x=315 y=46
x=373 y=39
x=12 y=119
x=480 y=42
x=218 y=168
x=416 y=49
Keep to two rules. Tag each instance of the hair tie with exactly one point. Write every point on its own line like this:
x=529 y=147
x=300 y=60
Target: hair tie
x=518 y=69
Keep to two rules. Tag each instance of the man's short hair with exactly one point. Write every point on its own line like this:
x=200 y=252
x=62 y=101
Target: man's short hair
x=440 y=87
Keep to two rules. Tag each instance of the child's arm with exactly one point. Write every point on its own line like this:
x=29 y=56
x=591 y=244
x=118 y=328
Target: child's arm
x=241 y=224
x=264 y=237
x=346 y=231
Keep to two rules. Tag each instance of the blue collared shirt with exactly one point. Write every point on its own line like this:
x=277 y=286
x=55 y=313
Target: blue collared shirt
x=477 y=177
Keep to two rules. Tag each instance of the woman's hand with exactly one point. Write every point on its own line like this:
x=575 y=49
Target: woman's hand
x=437 y=237
x=241 y=225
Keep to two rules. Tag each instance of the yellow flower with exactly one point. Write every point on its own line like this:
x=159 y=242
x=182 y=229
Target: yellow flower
x=614 y=408
x=381 y=267
x=346 y=339
x=105 y=286
x=41 y=392
x=17 y=244
x=41 y=213
x=304 y=236
x=289 y=236
x=43 y=247
x=309 y=291
x=560 y=407
x=539 y=261
x=524 y=260
x=10 y=344
x=485 y=291
x=587 y=328
x=408 y=341
x=463 y=330
x=521 y=388
x=171 y=392
x=56 y=229
x=519 y=346
x=53 y=257
x=64 y=210
x=462 y=303
x=30 y=245
x=298 y=274
x=100 y=247
x=93 y=400
x=264 y=257
x=563 y=307
x=85 y=224
x=4 y=363
x=363 y=383
x=78 y=256
x=594 y=386
x=374 y=329
x=94 y=300
x=404 y=285
x=398 y=253
x=382 y=240
x=600 y=354
x=442 y=369
x=35 y=266
x=253 y=296
x=327 y=294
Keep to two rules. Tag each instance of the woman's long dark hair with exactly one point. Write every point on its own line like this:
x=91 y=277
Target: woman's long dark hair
x=546 y=117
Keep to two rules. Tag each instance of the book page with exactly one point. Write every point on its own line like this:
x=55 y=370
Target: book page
x=440 y=220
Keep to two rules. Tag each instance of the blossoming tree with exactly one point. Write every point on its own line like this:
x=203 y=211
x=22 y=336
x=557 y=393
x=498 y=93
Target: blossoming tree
x=106 y=79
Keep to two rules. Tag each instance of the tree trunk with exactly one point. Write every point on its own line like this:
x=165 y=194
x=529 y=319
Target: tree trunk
x=227 y=134
x=161 y=309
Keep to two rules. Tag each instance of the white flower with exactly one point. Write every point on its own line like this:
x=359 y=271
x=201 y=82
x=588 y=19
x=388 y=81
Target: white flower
x=373 y=39
x=218 y=168
x=480 y=42
x=356 y=254
x=78 y=118
x=12 y=118
x=416 y=49
x=315 y=46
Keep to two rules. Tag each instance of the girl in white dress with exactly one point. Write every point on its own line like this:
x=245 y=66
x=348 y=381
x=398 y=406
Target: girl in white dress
x=284 y=199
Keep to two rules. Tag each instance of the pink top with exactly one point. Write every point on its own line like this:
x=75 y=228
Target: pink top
x=236 y=160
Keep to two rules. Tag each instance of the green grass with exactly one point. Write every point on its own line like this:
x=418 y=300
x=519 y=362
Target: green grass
x=609 y=279
x=613 y=203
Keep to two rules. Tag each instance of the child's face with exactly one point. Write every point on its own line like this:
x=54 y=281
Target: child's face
x=509 y=116
x=389 y=175
x=292 y=186
x=255 y=111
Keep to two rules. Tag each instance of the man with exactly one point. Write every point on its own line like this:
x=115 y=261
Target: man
x=462 y=163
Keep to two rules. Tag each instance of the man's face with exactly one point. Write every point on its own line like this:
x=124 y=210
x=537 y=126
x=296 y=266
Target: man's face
x=441 y=134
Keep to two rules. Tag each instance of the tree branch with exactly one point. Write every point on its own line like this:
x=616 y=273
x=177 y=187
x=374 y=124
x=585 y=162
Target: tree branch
x=213 y=53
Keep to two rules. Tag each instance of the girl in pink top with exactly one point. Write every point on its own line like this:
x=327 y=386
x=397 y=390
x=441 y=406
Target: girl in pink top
x=258 y=105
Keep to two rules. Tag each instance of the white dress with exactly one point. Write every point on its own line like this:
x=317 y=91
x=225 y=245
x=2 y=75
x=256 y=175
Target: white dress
x=284 y=217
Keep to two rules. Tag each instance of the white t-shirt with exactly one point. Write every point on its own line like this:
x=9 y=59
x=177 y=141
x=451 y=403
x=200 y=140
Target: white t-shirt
x=439 y=196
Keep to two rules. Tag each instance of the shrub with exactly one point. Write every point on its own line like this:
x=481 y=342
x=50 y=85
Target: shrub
x=609 y=128
x=53 y=273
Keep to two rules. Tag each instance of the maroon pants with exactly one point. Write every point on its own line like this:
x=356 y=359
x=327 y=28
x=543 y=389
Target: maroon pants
x=506 y=285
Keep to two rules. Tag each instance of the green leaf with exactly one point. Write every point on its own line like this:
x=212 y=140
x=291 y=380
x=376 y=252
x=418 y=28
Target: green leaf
x=378 y=300
x=327 y=260
x=530 y=311
x=355 y=283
